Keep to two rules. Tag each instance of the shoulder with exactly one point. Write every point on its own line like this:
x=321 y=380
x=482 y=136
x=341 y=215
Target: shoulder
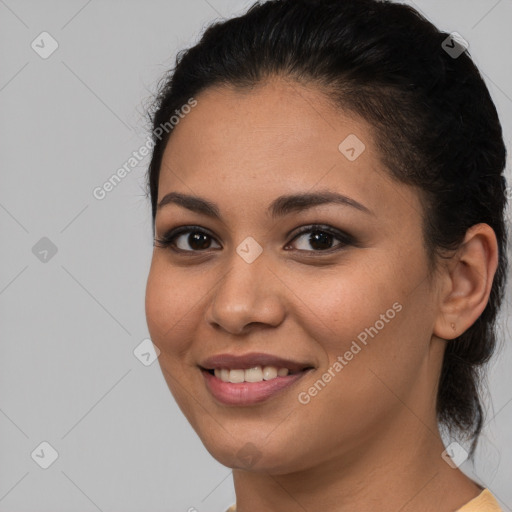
x=484 y=502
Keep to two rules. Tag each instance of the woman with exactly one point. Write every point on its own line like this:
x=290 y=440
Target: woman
x=328 y=195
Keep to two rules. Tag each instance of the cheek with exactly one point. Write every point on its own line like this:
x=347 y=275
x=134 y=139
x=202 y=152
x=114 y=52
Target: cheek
x=170 y=304
x=170 y=318
x=344 y=320
x=342 y=303
x=372 y=319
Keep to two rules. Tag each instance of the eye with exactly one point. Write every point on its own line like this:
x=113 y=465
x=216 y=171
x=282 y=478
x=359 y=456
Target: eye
x=196 y=238
x=321 y=239
x=193 y=239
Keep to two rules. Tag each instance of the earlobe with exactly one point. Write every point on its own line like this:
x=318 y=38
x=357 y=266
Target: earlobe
x=468 y=282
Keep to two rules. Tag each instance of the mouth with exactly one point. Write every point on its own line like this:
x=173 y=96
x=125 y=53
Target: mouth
x=250 y=379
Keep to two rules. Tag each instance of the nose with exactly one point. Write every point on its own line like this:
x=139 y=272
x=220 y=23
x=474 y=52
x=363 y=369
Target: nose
x=248 y=294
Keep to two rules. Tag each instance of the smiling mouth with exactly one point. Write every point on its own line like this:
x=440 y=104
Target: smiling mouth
x=264 y=383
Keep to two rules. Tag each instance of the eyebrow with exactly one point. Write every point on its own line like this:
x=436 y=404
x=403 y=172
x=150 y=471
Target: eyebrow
x=280 y=207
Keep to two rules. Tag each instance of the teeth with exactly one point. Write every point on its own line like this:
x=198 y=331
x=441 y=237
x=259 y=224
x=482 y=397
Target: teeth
x=236 y=376
x=252 y=374
x=270 y=372
x=255 y=374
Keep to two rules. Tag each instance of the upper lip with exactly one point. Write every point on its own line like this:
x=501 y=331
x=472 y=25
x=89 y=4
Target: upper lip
x=250 y=360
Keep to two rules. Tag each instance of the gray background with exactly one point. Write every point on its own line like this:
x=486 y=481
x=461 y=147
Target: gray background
x=69 y=324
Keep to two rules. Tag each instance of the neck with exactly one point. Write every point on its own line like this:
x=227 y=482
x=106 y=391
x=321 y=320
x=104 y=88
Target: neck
x=401 y=469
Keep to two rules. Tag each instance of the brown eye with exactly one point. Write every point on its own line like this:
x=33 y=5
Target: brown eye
x=319 y=239
x=186 y=239
x=198 y=241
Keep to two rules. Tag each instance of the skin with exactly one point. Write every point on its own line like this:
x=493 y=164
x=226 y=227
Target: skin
x=369 y=439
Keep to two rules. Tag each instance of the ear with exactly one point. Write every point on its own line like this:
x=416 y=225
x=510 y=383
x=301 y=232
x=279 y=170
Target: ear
x=466 y=282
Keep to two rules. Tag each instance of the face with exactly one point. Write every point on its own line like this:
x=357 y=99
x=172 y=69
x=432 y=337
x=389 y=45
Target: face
x=336 y=286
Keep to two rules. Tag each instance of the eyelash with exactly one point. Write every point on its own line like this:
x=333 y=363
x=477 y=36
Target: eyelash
x=168 y=239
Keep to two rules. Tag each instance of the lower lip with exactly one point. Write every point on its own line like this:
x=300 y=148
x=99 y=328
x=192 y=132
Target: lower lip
x=248 y=393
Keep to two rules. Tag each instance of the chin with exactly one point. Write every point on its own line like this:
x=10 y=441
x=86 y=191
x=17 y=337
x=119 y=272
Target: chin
x=258 y=457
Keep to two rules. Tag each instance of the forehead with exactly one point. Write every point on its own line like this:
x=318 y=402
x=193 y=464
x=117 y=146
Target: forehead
x=278 y=137
x=276 y=118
